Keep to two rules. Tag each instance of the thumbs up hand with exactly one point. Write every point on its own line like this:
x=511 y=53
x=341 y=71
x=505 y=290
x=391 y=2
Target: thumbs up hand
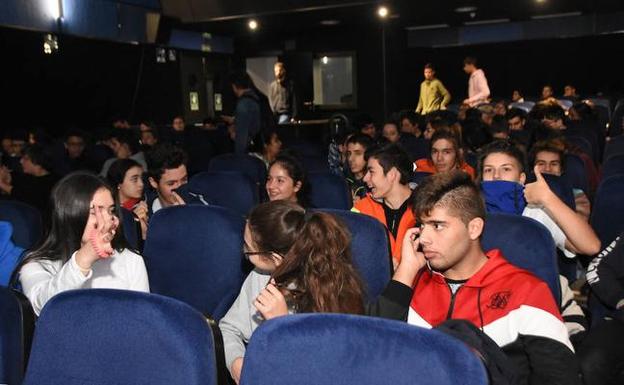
x=538 y=193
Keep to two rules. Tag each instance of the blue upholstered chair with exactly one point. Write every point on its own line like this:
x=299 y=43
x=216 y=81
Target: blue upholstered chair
x=131 y=229
x=232 y=190
x=12 y=341
x=26 y=221
x=613 y=166
x=614 y=147
x=329 y=191
x=249 y=165
x=575 y=172
x=419 y=176
x=525 y=243
x=194 y=254
x=607 y=217
x=104 y=336
x=369 y=250
x=313 y=349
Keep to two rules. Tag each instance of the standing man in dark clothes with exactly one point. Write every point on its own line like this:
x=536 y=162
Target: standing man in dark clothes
x=282 y=95
x=247 y=117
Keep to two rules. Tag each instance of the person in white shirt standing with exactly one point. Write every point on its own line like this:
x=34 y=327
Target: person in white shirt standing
x=85 y=246
x=478 y=89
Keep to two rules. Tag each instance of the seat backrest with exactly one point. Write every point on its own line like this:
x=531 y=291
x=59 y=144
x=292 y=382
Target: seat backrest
x=26 y=221
x=526 y=244
x=329 y=191
x=560 y=185
x=314 y=164
x=369 y=250
x=575 y=172
x=613 y=166
x=104 y=336
x=249 y=165
x=11 y=339
x=130 y=229
x=312 y=349
x=232 y=190
x=194 y=254
x=615 y=146
x=607 y=217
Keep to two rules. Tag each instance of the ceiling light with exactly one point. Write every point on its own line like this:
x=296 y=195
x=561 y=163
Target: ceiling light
x=466 y=9
x=330 y=22
x=252 y=24
x=325 y=60
x=382 y=12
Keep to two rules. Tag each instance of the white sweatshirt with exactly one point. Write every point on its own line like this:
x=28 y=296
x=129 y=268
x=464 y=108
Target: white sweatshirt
x=43 y=279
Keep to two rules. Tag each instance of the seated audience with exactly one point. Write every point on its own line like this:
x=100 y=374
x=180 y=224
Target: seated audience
x=460 y=280
x=357 y=145
x=126 y=175
x=388 y=173
x=166 y=170
x=124 y=146
x=266 y=147
x=446 y=155
x=302 y=264
x=502 y=161
x=602 y=351
x=84 y=247
x=73 y=157
x=287 y=180
x=549 y=156
x=34 y=184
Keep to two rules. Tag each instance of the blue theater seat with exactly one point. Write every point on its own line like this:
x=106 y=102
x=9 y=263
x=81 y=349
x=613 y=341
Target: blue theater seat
x=194 y=254
x=103 y=336
x=232 y=190
x=607 y=217
x=369 y=250
x=26 y=221
x=314 y=349
x=329 y=191
x=525 y=243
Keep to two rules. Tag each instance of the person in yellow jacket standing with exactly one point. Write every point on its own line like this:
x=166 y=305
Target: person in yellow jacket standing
x=433 y=95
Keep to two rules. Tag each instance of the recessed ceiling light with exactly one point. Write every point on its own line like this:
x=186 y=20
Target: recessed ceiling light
x=382 y=12
x=466 y=9
x=252 y=24
x=330 y=22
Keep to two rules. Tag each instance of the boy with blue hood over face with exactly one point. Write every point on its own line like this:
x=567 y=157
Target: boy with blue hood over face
x=502 y=176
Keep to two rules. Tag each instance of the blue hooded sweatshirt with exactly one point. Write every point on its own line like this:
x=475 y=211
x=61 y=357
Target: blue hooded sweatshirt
x=503 y=197
x=9 y=253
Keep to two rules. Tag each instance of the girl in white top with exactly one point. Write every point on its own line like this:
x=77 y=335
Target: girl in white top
x=84 y=247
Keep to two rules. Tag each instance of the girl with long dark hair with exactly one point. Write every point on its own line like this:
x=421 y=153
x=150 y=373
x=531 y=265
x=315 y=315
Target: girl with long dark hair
x=84 y=247
x=302 y=264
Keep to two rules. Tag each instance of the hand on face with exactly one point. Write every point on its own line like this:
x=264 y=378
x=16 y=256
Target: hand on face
x=412 y=259
x=103 y=232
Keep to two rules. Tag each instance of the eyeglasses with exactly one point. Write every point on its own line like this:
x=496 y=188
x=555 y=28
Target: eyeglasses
x=265 y=254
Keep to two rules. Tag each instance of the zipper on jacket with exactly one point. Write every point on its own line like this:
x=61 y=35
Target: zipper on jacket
x=453 y=295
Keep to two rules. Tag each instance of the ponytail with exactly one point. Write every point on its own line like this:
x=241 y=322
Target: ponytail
x=319 y=269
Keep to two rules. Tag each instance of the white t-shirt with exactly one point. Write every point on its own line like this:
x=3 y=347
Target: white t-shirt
x=43 y=279
x=542 y=217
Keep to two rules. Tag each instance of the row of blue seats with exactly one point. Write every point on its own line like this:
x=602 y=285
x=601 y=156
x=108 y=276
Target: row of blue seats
x=203 y=265
x=103 y=336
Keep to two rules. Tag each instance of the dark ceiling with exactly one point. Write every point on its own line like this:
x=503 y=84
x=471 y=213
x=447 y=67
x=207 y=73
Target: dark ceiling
x=295 y=16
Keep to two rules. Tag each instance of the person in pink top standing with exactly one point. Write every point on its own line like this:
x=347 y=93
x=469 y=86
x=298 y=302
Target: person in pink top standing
x=478 y=90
